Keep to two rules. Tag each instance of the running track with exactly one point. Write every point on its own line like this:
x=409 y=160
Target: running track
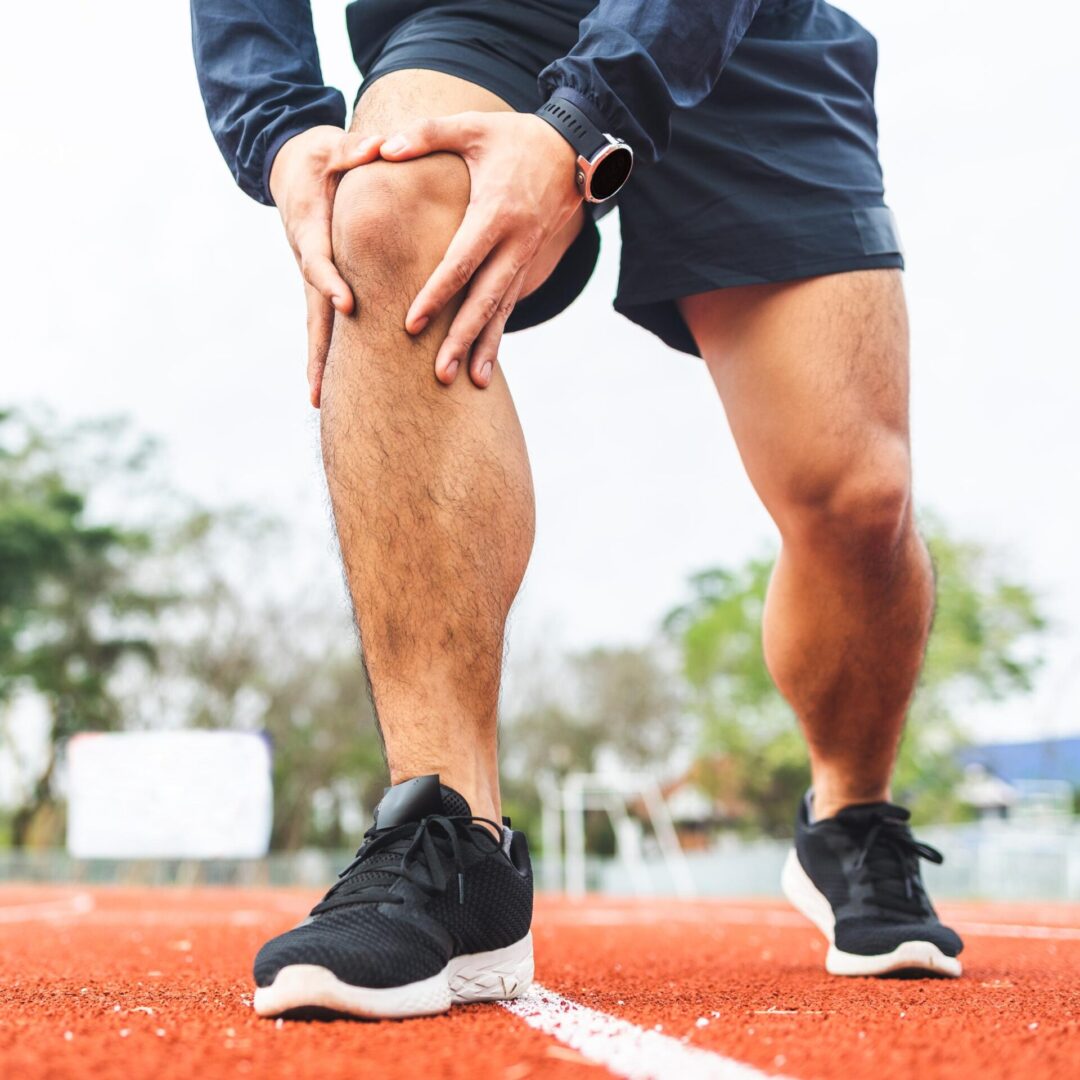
x=154 y=983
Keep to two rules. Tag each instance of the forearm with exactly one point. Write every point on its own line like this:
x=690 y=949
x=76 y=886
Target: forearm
x=634 y=62
x=261 y=83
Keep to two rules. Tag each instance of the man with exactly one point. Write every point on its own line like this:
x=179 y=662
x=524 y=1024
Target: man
x=486 y=140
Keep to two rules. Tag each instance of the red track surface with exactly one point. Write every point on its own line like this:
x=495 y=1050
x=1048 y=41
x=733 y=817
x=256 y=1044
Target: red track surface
x=133 y=983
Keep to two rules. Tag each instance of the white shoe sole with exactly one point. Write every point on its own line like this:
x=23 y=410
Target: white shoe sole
x=908 y=956
x=498 y=975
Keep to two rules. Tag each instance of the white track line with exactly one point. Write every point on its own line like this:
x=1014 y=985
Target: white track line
x=69 y=906
x=1008 y=930
x=674 y=913
x=764 y=918
x=81 y=906
x=623 y=1048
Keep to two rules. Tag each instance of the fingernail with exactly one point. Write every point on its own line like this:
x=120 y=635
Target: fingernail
x=394 y=145
x=420 y=325
x=485 y=372
x=451 y=369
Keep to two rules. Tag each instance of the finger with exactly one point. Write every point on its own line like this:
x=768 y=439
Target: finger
x=485 y=353
x=320 y=325
x=486 y=293
x=476 y=236
x=352 y=151
x=455 y=133
x=313 y=250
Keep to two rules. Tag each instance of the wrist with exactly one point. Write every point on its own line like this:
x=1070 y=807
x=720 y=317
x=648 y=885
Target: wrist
x=288 y=146
x=555 y=148
x=603 y=162
x=277 y=165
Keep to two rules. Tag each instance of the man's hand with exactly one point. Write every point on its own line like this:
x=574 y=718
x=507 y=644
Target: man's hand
x=303 y=180
x=523 y=191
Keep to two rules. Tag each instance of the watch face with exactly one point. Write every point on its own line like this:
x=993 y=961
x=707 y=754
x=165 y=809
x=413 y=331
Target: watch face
x=610 y=172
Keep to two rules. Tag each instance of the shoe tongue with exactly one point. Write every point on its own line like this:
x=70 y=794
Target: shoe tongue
x=420 y=797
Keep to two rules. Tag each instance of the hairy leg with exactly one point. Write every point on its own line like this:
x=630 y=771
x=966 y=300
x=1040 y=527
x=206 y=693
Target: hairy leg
x=814 y=378
x=430 y=485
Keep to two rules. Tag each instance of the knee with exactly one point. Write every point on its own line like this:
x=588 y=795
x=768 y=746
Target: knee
x=393 y=218
x=858 y=506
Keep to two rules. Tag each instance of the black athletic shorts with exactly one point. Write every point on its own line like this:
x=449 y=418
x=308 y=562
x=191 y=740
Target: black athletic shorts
x=775 y=176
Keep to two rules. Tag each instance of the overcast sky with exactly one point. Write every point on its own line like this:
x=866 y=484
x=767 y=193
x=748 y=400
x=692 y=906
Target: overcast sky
x=137 y=279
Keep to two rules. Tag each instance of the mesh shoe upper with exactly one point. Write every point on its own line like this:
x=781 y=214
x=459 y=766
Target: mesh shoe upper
x=428 y=884
x=866 y=863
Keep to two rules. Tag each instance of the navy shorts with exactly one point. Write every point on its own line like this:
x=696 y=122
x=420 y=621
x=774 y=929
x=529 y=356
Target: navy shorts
x=775 y=176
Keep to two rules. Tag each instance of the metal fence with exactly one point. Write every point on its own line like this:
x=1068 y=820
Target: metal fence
x=996 y=860
x=1006 y=860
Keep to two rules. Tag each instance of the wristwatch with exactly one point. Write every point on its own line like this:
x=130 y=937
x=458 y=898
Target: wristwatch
x=603 y=163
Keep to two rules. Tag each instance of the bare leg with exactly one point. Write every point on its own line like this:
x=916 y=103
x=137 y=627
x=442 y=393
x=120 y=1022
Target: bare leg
x=430 y=485
x=814 y=378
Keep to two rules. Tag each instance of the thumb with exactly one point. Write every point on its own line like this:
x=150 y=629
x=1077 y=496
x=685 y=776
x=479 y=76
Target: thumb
x=353 y=150
x=454 y=133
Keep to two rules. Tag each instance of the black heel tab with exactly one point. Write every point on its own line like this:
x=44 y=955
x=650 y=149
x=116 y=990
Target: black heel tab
x=408 y=801
x=519 y=853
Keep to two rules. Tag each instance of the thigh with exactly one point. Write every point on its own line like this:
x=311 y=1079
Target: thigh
x=402 y=96
x=813 y=375
x=399 y=97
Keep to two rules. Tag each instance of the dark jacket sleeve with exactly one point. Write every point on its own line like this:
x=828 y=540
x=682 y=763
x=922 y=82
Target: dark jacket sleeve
x=637 y=60
x=261 y=83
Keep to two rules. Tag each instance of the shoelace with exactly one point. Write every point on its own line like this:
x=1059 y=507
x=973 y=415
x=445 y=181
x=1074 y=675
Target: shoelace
x=890 y=855
x=421 y=861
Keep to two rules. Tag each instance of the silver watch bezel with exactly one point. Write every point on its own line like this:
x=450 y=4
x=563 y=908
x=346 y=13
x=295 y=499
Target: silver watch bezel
x=586 y=168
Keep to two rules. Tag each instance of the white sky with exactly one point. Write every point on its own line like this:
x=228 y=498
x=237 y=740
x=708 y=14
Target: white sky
x=137 y=279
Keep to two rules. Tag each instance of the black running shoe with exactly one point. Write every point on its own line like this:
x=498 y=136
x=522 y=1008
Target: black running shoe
x=434 y=911
x=856 y=876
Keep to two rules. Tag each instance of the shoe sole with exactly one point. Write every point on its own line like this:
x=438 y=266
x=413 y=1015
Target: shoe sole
x=309 y=991
x=918 y=958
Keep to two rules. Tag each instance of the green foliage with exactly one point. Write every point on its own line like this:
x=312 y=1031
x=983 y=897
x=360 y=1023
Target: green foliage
x=980 y=648
x=117 y=624
x=72 y=613
x=985 y=624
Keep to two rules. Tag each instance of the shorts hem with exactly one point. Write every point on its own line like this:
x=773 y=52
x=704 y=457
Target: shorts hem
x=676 y=288
x=656 y=311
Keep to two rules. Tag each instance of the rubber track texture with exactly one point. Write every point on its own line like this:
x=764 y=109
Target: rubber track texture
x=155 y=983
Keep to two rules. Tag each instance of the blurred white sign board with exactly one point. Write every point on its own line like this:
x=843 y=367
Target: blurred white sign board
x=169 y=795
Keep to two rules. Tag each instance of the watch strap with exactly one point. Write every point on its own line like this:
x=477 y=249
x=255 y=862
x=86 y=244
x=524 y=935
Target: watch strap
x=574 y=126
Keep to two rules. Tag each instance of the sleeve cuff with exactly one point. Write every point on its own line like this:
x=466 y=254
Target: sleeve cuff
x=295 y=124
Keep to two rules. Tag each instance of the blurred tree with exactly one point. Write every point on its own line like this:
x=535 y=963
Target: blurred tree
x=622 y=703
x=72 y=612
x=615 y=706
x=980 y=648
x=161 y=623
x=292 y=672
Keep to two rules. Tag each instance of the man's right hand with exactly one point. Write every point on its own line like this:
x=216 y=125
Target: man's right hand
x=303 y=181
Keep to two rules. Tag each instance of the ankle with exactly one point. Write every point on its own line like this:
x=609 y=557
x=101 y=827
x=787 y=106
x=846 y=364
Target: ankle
x=828 y=799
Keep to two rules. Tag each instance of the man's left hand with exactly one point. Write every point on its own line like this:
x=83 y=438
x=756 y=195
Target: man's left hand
x=523 y=191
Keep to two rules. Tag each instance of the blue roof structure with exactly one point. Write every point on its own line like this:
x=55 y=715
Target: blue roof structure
x=1043 y=759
